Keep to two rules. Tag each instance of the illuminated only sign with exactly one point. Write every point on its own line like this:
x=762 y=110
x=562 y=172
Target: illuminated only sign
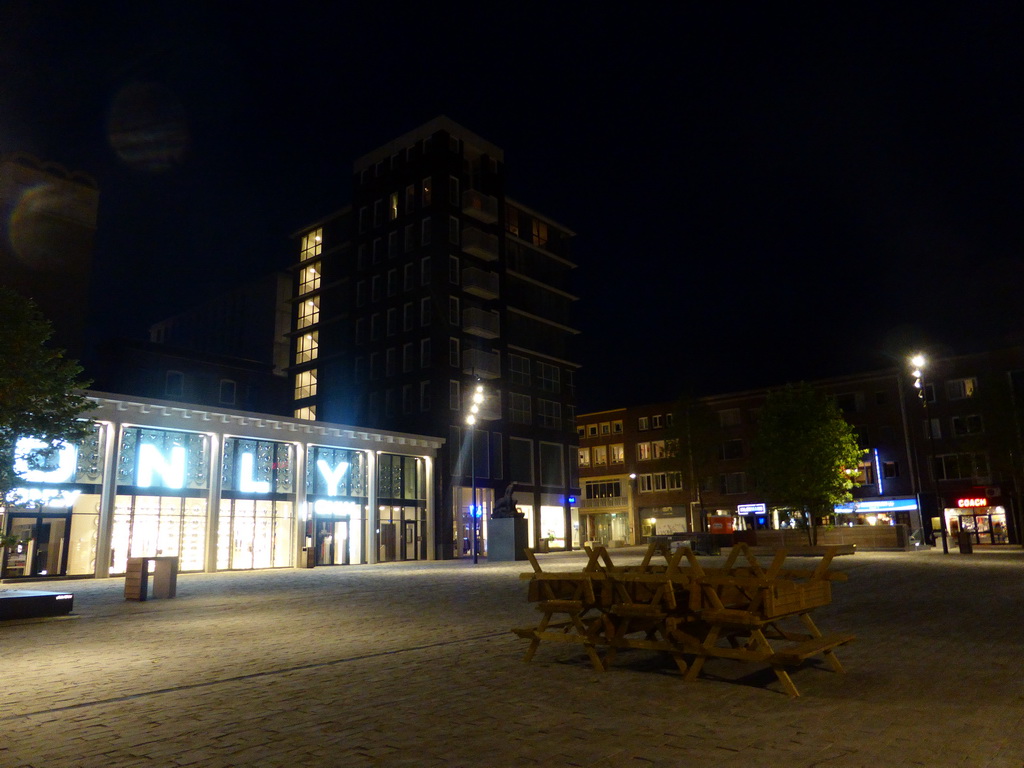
x=152 y=463
x=751 y=509
x=878 y=505
x=967 y=503
x=60 y=466
x=332 y=475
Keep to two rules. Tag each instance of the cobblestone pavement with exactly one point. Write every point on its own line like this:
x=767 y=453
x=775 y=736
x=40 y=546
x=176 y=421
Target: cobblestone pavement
x=414 y=665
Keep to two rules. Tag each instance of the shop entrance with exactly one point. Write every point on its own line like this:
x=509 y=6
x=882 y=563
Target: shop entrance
x=41 y=549
x=332 y=542
x=983 y=528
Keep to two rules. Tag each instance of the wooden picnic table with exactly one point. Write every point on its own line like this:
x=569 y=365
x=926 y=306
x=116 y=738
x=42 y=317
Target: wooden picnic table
x=690 y=612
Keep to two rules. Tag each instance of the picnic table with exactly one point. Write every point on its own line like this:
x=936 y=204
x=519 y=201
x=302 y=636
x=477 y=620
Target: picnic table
x=741 y=611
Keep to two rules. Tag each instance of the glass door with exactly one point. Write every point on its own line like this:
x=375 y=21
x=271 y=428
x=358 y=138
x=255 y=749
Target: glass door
x=41 y=549
x=332 y=542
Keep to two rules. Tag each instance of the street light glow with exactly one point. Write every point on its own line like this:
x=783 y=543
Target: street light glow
x=918 y=361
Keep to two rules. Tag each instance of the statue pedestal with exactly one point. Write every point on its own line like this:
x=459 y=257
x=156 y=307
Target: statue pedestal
x=507 y=538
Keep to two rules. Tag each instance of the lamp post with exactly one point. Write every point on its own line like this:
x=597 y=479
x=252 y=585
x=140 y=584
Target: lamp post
x=474 y=409
x=918 y=363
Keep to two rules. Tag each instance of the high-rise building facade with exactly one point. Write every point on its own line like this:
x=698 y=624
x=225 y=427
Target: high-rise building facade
x=435 y=283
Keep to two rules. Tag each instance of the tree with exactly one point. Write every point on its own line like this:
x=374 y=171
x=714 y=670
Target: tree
x=37 y=391
x=805 y=455
x=697 y=436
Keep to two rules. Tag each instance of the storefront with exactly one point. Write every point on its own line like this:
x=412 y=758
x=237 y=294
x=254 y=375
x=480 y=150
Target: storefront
x=220 y=491
x=890 y=511
x=977 y=516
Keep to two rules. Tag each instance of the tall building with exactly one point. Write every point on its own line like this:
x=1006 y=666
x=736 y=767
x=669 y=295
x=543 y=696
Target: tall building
x=432 y=284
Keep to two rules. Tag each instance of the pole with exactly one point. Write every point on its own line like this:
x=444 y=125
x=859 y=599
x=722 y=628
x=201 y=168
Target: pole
x=935 y=481
x=472 y=470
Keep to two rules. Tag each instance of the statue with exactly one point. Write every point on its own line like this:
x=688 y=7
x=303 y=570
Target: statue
x=506 y=505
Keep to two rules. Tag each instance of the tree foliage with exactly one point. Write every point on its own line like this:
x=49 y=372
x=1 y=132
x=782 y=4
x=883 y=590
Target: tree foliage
x=805 y=455
x=697 y=435
x=37 y=388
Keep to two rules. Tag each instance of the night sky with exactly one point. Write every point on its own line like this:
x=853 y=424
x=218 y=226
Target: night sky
x=761 y=192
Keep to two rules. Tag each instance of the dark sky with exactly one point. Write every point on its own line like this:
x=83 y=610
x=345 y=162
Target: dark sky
x=762 y=192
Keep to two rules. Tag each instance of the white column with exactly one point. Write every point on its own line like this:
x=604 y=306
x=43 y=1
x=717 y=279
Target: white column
x=372 y=538
x=430 y=534
x=214 y=486
x=108 y=491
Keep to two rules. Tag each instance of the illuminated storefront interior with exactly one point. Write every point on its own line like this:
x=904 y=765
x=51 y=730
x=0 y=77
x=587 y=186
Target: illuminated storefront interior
x=158 y=479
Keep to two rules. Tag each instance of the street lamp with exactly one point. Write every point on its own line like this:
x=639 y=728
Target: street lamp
x=474 y=408
x=918 y=363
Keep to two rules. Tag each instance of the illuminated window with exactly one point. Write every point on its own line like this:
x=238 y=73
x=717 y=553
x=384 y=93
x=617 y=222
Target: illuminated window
x=410 y=198
x=959 y=389
x=309 y=278
x=308 y=413
x=311 y=244
x=600 y=455
x=617 y=453
x=309 y=312
x=307 y=347
x=428 y=185
x=540 y=232
x=643 y=451
x=393 y=206
x=584 y=457
x=305 y=384
x=642 y=423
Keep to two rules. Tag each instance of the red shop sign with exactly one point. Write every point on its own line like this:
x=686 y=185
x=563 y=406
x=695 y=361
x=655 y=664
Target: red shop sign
x=963 y=503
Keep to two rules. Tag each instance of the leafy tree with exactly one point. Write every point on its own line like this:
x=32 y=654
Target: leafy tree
x=697 y=435
x=805 y=455
x=37 y=390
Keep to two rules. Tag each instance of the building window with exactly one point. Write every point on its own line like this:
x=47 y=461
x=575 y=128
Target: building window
x=617 y=453
x=604 y=489
x=552 y=465
x=675 y=481
x=391 y=362
x=600 y=455
x=656 y=422
x=408 y=277
x=410 y=198
x=548 y=377
x=520 y=460
x=305 y=384
x=407 y=398
x=643 y=451
x=960 y=466
x=511 y=220
x=309 y=278
x=425 y=361
x=375 y=288
x=364 y=219
x=425 y=270
x=378 y=250
x=307 y=412
x=616 y=427
x=658 y=449
x=374 y=366
x=378 y=212
x=390 y=406
x=732 y=483
x=644 y=484
x=731 y=449
x=642 y=423
x=408 y=358
x=392 y=321
x=309 y=312
x=425 y=232
x=393 y=206
x=584 y=457
x=174 y=384
x=454 y=359
x=959 y=389
x=375 y=326
x=453 y=270
x=361 y=293
x=591 y=430
x=549 y=414
x=311 y=244
x=730 y=417
x=307 y=347
x=606 y=428
x=453 y=230
x=935 y=430
x=453 y=191
x=659 y=482
x=453 y=310
x=519 y=409
x=890 y=469
x=425 y=314
x=519 y=369
x=424 y=395
x=360 y=369
x=392 y=282
x=453 y=396
x=362 y=257
x=540 y=232
x=408 y=316
x=409 y=241
x=428 y=185
x=967 y=425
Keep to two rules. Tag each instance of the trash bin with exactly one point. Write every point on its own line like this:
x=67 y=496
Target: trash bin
x=308 y=557
x=966 y=545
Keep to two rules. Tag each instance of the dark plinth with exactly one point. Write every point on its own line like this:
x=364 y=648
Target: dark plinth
x=25 y=604
x=507 y=538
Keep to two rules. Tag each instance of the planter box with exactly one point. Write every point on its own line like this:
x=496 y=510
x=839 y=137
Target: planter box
x=507 y=538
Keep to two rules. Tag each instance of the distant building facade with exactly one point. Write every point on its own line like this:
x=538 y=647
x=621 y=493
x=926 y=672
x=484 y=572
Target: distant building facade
x=947 y=458
x=432 y=283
